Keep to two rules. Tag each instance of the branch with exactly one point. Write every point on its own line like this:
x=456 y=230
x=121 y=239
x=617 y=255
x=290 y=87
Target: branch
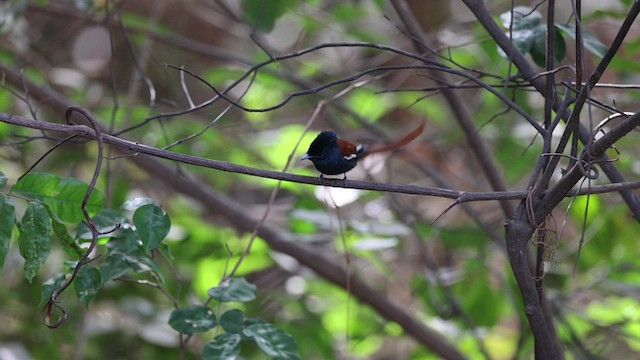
x=135 y=148
x=465 y=120
x=328 y=268
x=593 y=152
x=530 y=73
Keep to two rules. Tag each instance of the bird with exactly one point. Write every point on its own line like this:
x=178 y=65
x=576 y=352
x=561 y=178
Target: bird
x=333 y=156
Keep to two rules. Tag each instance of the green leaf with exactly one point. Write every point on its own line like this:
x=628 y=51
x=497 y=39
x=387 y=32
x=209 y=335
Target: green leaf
x=234 y=289
x=152 y=224
x=64 y=196
x=140 y=262
x=113 y=267
x=127 y=245
x=7 y=221
x=35 y=238
x=126 y=241
x=192 y=319
x=3 y=179
x=49 y=286
x=273 y=341
x=223 y=347
x=538 y=49
x=69 y=245
x=522 y=40
x=105 y=221
x=232 y=321
x=591 y=42
x=528 y=35
x=263 y=14
x=87 y=283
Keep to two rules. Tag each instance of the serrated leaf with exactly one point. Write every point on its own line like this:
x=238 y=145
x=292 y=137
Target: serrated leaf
x=273 y=341
x=591 y=42
x=232 y=321
x=223 y=347
x=152 y=225
x=7 y=221
x=87 y=283
x=192 y=319
x=49 y=286
x=35 y=238
x=234 y=289
x=64 y=196
x=113 y=267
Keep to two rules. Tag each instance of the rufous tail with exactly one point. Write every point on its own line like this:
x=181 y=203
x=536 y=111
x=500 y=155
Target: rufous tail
x=392 y=145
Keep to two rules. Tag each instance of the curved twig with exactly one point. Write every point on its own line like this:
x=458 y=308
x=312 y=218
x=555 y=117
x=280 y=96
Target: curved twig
x=52 y=304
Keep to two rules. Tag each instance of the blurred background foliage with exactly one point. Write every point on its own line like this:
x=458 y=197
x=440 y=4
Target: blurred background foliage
x=452 y=274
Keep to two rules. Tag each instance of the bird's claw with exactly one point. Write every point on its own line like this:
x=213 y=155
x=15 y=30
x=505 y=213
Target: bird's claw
x=344 y=181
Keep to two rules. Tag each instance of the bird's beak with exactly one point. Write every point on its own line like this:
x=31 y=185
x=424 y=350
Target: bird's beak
x=306 y=157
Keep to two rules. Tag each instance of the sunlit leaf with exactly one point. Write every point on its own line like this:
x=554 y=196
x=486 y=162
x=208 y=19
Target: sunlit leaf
x=35 y=238
x=222 y=347
x=64 y=196
x=234 y=289
x=192 y=319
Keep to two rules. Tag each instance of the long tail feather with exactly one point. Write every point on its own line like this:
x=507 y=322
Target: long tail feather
x=392 y=145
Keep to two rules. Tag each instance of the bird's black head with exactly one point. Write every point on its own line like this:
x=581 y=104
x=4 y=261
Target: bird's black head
x=322 y=144
x=325 y=153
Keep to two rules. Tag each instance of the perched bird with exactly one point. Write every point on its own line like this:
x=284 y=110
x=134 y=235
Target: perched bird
x=333 y=156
